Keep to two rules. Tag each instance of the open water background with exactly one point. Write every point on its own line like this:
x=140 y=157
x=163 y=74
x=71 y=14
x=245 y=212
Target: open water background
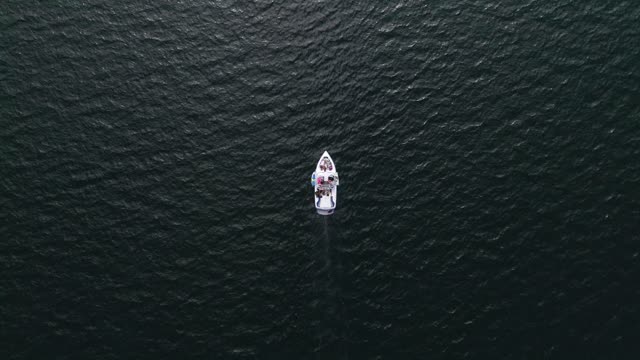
x=154 y=165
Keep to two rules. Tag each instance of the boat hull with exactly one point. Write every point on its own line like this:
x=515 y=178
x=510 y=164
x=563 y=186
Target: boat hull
x=325 y=183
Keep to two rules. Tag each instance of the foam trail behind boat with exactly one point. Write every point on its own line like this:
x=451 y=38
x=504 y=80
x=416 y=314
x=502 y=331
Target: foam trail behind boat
x=330 y=328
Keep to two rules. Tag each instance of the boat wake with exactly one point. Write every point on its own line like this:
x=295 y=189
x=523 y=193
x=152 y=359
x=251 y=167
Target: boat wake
x=327 y=239
x=330 y=334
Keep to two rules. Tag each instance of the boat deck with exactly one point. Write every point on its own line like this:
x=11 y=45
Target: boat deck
x=326 y=202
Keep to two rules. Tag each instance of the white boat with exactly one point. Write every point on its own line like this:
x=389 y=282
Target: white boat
x=325 y=183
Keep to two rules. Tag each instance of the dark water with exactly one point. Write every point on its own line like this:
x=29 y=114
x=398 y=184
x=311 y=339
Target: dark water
x=154 y=164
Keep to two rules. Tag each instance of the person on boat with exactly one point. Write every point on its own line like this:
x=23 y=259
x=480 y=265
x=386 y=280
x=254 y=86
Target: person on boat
x=319 y=193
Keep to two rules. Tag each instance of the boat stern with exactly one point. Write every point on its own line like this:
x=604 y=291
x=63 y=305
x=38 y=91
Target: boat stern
x=325 y=212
